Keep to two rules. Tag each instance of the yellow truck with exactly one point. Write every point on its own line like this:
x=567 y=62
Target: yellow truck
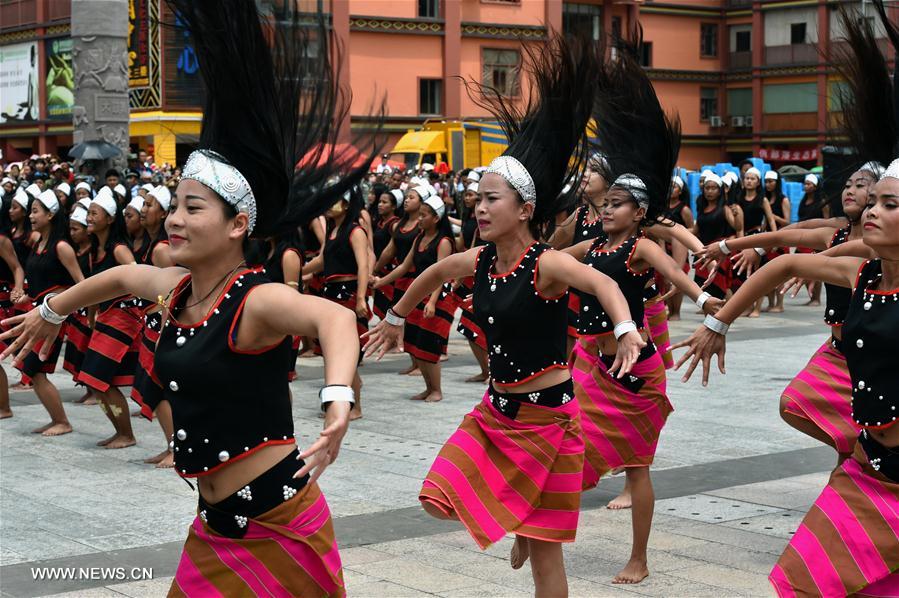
x=461 y=144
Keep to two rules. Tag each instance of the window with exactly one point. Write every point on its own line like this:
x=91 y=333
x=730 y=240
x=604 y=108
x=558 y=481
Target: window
x=708 y=102
x=743 y=42
x=429 y=96
x=790 y=98
x=739 y=101
x=429 y=9
x=582 y=19
x=708 y=40
x=501 y=71
x=797 y=34
x=646 y=54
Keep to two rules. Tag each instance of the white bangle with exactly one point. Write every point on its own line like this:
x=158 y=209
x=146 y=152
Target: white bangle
x=722 y=245
x=336 y=393
x=47 y=313
x=760 y=251
x=715 y=325
x=393 y=319
x=622 y=328
x=703 y=297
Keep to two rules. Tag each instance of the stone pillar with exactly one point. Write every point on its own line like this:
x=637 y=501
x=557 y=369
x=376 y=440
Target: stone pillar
x=100 y=65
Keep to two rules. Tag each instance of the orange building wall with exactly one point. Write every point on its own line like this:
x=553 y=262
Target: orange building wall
x=374 y=69
x=675 y=43
x=383 y=8
x=683 y=99
x=528 y=12
x=693 y=157
x=471 y=68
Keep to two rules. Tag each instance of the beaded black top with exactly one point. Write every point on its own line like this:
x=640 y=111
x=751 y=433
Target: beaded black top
x=44 y=272
x=837 y=297
x=226 y=403
x=869 y=343
x=526 y=332
x=614 y=263
x=584 y=229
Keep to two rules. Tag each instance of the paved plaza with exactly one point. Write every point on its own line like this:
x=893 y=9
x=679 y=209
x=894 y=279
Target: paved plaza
x=732 y=482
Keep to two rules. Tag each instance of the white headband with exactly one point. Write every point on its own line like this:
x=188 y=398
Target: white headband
x=85 y=203
x=33 y=190
x=474 y=176
x=711 y=177
x=892 y=170
x=21 y=198
x=516 y=175
x=49 y=200
x=771 y=175
x=729 y=178
x=706 y=173
x=79 y=215
x=398 y=196
x=83 y=185
x=106 y=201
x=147 y=187
x=755 y=171
x=436 y=204
x=205 y=167
x=136 y=204
x=6 y=179
x=162 y=195
x=678 y=181
x=873 y=167
x=423 y=191
x=64 y=187
x=635 y=186
x=472 y=187
x=120 y=189
x=812 y=178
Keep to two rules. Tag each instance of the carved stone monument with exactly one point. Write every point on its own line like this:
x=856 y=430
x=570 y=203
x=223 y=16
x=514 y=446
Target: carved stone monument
x=100 y=64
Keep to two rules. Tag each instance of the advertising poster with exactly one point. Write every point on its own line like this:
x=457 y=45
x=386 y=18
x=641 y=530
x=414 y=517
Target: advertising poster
x=60 y=78
x=138 y=43
x=18 y=83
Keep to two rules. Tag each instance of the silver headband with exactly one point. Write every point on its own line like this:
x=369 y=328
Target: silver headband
x=874 y=167
x=635 y=186
x=516 y=175
x=892 y=170
x=203 y=167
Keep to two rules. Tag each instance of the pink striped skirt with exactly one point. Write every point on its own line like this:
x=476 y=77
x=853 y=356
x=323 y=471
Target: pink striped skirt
x=623 y=419
x=848 y=543
x=822 y=394
x=655 y=318
x=499 y=475
x=289 y=550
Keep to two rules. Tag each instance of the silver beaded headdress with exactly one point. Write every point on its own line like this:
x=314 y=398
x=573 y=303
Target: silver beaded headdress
x=635 y=186
x=873 y=167
x=892 y=170
x=204 y=167
x=516 y=175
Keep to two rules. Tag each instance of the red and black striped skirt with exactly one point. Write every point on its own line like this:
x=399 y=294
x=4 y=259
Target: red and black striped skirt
x=78 y=336
x=426 y=338
x=112 y=354
x=147 y=391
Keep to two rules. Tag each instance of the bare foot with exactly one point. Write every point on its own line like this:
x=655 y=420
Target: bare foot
x=813 y=303
x=482 y=377
x=42 y=429
x=673 y=317
x=410 y=371
x=5 y=413
x=776 y=310
x=21 y=386
x=444 y=357
x=121 y=442
x=307 y=354
x=521 y=550
x=634 y=572
x=420 y=396
x=91 y=400
x=167 y=461
x=85 y=397
x=157 y=458
x=754 y=313
x=57 y=430
x=622 y=501
x=106 y=441
x=136 y=413
x=434 y=397
x=355 y=414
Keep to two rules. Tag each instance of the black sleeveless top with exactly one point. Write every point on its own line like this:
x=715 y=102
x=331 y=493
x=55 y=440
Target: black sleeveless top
x=614 y=263
x=274 y=269
x=469 y=228
x=526 y=332
x=869 y=343
x=338 y=255
x=837 y=297
x=6 y=275
x=424 y=258
x=44 y=272
x=713 y=225
x=381 y=235
x=777 y=206
x=403 y=241
x=753 y=214
x=808 y=211
x=20 y=245
x=676 y=214
x=108 y=261
x=226 y=403
x=585 y=230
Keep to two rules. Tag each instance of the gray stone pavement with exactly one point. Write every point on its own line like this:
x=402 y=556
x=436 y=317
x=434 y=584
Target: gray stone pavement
x=732 y=482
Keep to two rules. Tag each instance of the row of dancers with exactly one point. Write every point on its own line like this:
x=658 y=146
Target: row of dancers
x=555 y=418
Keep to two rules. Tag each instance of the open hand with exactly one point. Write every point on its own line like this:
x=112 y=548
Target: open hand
x=629 y=346
x=28 y=330
x=383 y=338
x=324 y=451
x=701 y=346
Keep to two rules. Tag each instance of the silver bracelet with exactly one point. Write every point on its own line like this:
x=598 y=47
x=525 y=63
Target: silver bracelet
x=47 y=313
x=715 y=325
x=622 y=328
x=760 y=251
x=703 y=297
x=393 y=319
x=336 y=393
x=722 y=245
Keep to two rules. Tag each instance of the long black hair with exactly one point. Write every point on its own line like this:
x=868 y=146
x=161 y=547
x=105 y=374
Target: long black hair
x=273 y=107
x=118 y=234
x=632 y=130
x=702 y=203
x=870 y=103
x=59 y=224
x=354 y=208
x=547 y=135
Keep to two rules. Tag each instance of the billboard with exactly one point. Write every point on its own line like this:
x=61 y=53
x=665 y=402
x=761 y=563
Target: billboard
x=139 y=43
x=18 y=83
x=60 y=78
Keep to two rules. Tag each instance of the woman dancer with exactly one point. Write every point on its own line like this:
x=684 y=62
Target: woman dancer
x=284 y=264
x=344 y=264
x=263 y=525
x=812 y=207
x=78 y=327
x=134 y=230
x=715 y=221
x=757 y=216
x=51 y=266
x=481 y=475
x=848 y=542
x=624 y=416
x=466 y=240
x=389 y=202
x=678 y=211
x=782 y=211
x=12 y=287
x=428 y=324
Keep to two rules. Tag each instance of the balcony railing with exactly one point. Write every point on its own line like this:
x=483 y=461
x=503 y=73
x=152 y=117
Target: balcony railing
x=792 y=54
x=740 y=60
